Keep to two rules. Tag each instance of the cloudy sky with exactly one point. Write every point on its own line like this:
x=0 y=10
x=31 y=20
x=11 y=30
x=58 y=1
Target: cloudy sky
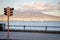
x=35 y=7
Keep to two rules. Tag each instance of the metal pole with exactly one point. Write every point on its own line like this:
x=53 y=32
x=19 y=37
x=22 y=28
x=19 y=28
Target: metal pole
x=45 y=28
x=8 y=14
x=8 y=26
x=24 y=27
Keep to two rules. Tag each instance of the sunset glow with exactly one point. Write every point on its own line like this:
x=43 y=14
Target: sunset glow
x=32 y=10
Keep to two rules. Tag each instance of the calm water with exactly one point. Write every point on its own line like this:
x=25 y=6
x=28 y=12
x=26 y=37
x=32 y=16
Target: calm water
x=29 y=25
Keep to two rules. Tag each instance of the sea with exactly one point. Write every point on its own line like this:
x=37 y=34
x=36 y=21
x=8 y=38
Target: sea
x=33 y=25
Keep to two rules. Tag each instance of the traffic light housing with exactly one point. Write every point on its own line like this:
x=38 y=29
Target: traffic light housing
x=5 y=11
x=8 y=11
x=11 y=11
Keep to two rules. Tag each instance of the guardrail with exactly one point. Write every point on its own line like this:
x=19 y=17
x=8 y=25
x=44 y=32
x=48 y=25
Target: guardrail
x=29 y=27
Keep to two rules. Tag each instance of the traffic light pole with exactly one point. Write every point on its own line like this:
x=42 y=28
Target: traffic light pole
x=8 y=15
x=8 y=27
x=8 y=11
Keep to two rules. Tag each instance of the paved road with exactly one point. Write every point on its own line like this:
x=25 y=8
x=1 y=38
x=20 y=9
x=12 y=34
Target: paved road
x=30 y=36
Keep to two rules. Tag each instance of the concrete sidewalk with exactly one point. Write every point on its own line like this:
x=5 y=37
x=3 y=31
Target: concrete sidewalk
x=30 y=36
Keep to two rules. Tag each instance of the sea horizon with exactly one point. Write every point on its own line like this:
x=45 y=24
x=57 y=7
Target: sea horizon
x=33 y=25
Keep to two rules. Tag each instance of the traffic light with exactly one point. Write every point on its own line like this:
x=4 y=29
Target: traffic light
x=11 y=11
x=5 y=11
x=8 y=11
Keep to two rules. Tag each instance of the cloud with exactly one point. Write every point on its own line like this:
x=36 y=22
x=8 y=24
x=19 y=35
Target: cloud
x=38 y=6
x=36 y=9
x=34 y=6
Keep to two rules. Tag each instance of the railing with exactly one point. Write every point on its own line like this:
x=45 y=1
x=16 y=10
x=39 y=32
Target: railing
x=29 y=27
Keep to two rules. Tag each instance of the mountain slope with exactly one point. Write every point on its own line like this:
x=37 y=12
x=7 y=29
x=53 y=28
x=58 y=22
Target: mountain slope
x=31 y=17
